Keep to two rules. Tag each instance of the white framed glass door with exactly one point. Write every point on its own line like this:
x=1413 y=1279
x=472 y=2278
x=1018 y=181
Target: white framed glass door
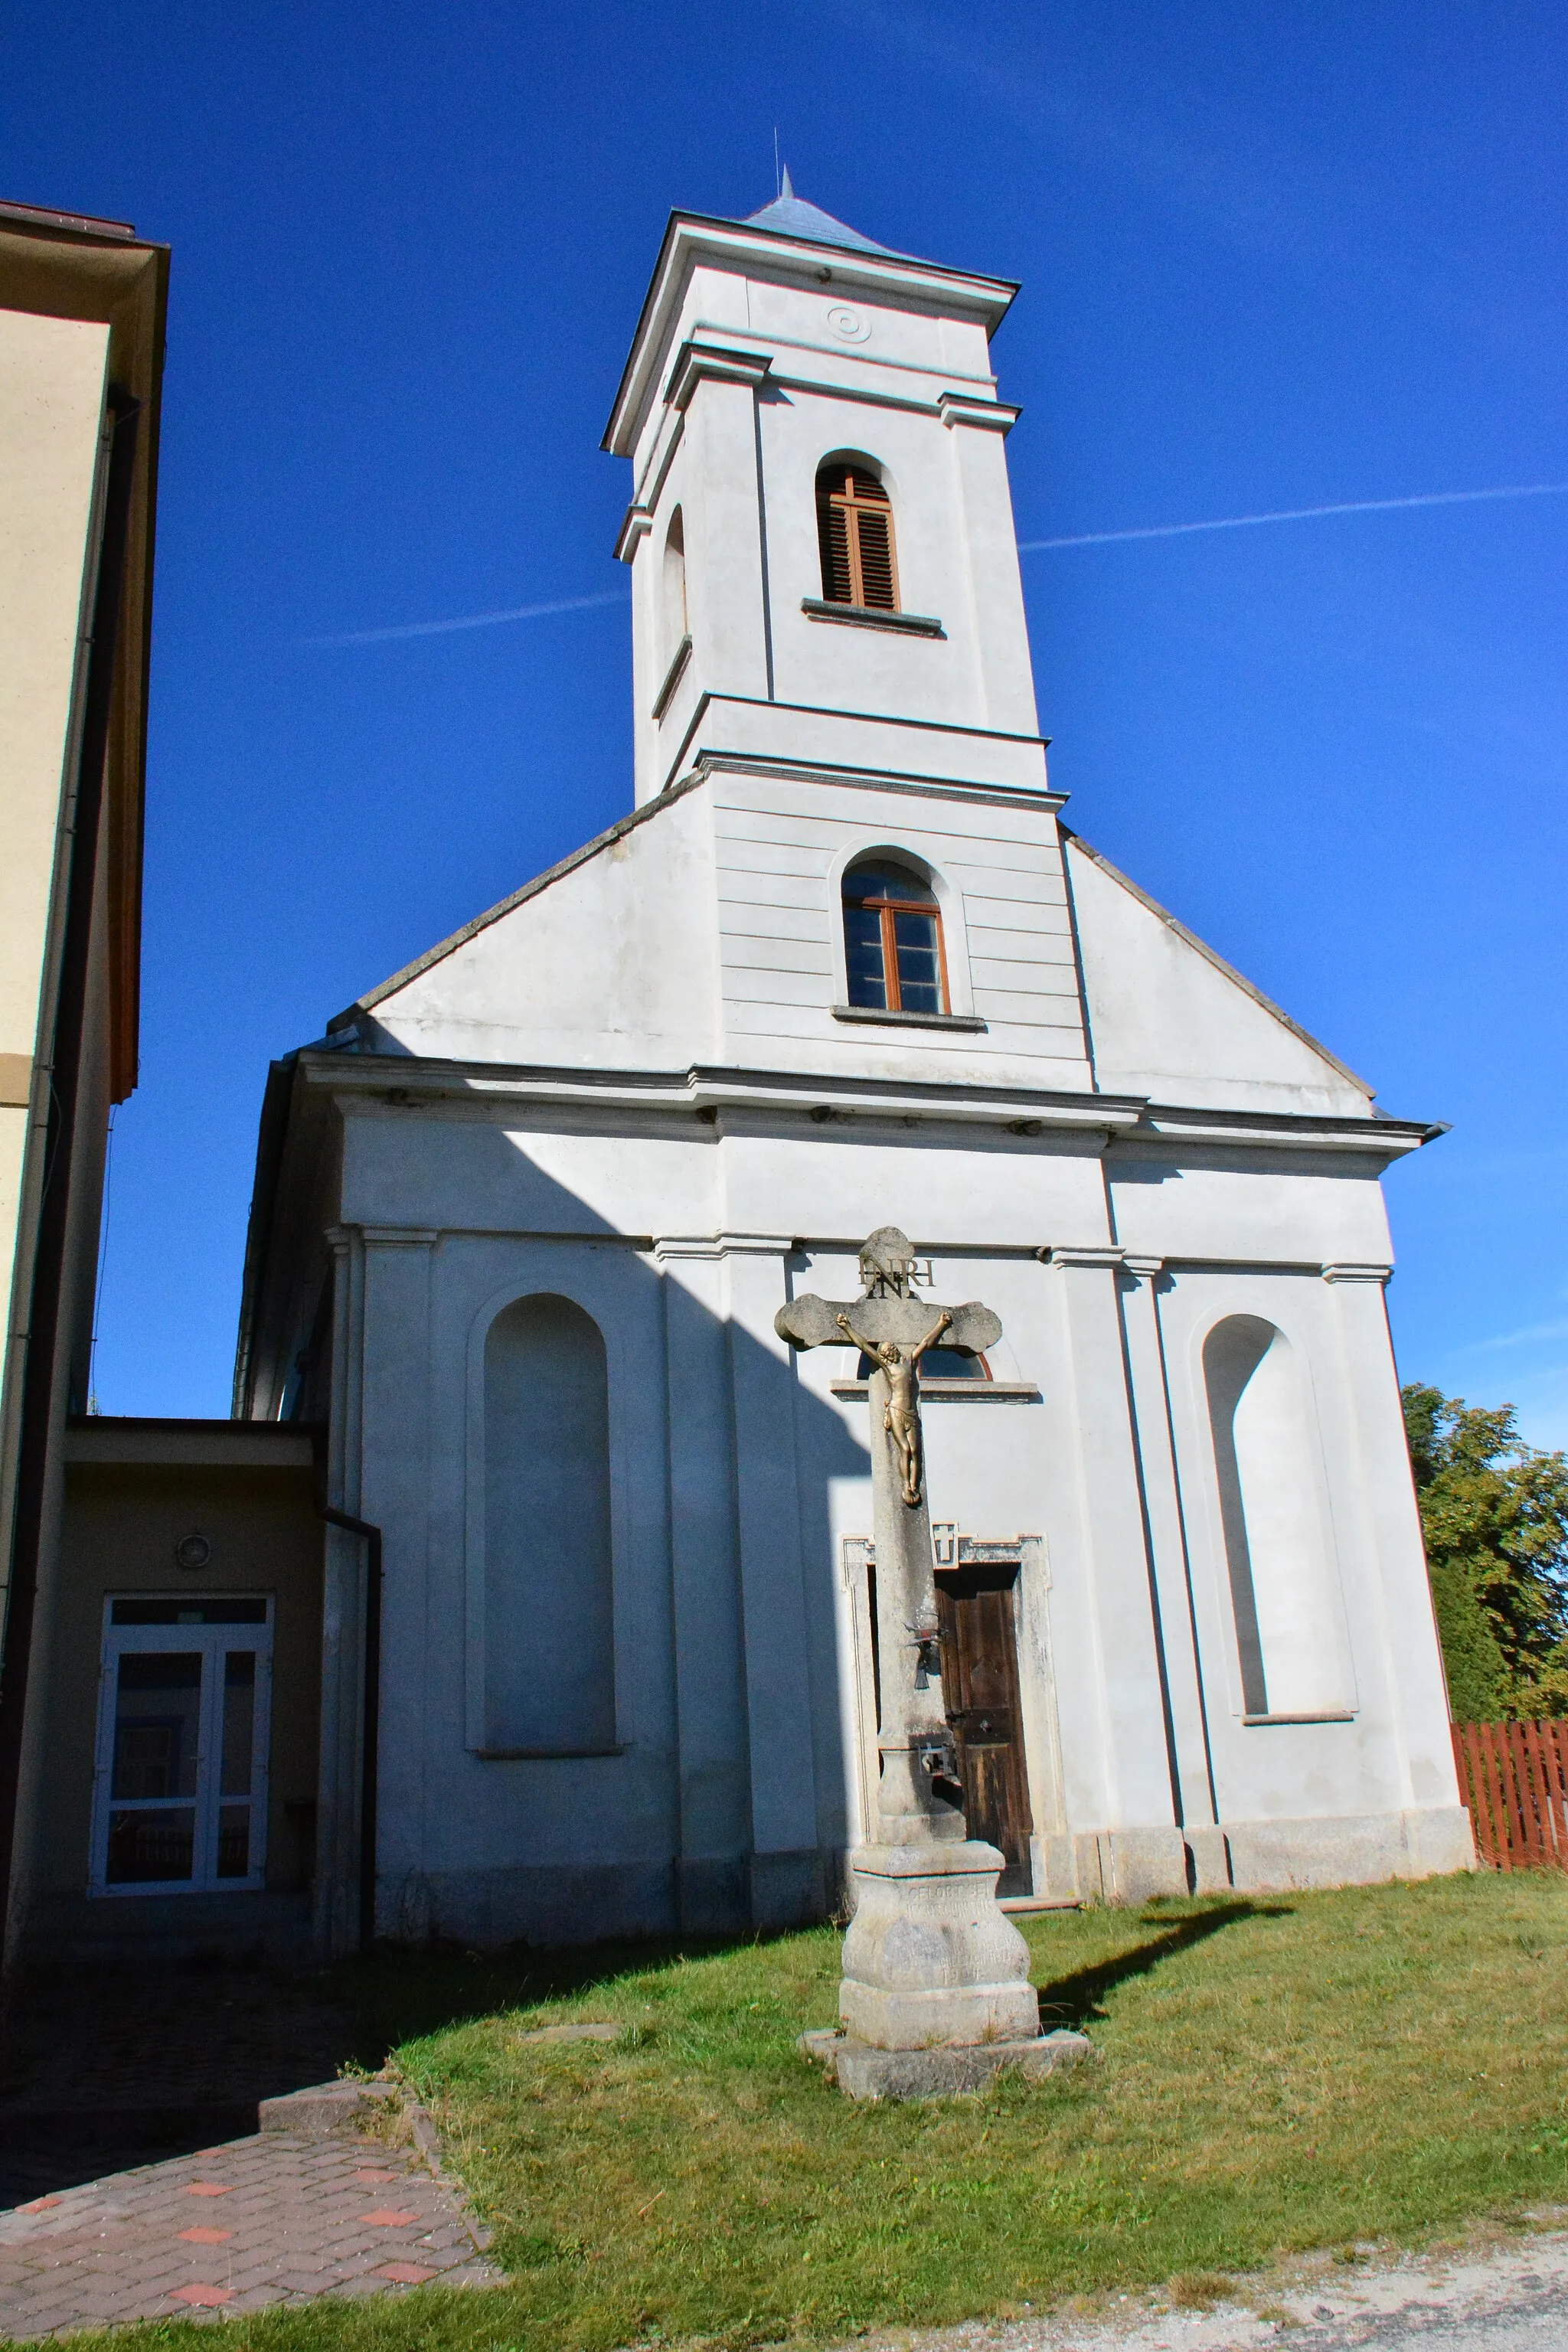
x=184 y=1709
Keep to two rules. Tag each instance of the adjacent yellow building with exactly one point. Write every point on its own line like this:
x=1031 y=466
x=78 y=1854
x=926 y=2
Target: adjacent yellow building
x=82 y=306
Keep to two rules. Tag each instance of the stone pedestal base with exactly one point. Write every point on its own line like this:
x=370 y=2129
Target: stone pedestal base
x=930 y=1958
x=863 y=2073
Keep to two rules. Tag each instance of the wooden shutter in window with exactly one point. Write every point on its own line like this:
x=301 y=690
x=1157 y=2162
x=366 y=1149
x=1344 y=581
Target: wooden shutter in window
x=875 y=531
x=833 y=527
x=855 y=525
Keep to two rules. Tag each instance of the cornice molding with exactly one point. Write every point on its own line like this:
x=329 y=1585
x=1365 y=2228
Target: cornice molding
x=848 y=772
x=868 y=780
x=965 y=408
x=772 y=255
x=1387 y=1139
x=671 y=1248
x=1349 y=1272
x=406 y=1082
x=698 y=363
x=636 y=525
x=1121 y=1122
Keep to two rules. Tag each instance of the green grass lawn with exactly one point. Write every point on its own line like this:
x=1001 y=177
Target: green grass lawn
x=1276 y=2073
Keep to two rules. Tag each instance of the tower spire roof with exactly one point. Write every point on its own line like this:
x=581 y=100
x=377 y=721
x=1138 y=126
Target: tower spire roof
x=791 y=216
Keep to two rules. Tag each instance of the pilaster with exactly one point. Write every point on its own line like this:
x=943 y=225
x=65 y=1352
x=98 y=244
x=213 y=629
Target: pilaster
x=786 y=1866
x=1133 y=1853
x=1172 y=1569
x=336 y=1909
x=1392 y=1565
x=725 y=524
x=1005 y=681
x=712 y=1868
x=395 y=1488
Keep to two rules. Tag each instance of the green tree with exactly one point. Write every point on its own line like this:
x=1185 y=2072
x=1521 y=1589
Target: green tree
x=1494 y=1513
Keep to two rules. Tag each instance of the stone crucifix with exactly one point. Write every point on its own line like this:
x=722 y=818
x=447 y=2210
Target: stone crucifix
x=901 y=1417
x=895 y=1328
x=935 y=1990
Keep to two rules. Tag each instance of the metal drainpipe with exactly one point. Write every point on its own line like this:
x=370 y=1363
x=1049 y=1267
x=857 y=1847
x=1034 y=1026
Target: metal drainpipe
x=371 y=1728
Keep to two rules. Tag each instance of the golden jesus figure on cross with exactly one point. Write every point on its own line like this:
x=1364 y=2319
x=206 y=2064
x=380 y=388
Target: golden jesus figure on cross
x=901 y=1419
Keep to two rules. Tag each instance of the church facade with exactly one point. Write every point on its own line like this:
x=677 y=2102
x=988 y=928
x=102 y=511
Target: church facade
x=598 y=1648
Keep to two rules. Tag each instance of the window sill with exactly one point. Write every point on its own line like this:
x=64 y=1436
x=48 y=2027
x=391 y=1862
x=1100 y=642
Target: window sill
x=1318 y=1714
x=958 y=1392
x=906 y=1020
x=862 y=616
x=672 y=677
x=546 y=1755
x=122 y=1887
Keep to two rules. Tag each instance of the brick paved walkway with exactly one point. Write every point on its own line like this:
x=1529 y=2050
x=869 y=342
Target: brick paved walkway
x=101 y=2069
x=273 y=2218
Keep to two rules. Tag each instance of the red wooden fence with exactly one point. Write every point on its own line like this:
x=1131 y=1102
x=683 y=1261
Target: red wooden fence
x=1515 y=1779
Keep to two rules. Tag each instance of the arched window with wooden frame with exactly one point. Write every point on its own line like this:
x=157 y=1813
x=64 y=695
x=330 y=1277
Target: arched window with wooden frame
x=855 y=529
x=895 y=960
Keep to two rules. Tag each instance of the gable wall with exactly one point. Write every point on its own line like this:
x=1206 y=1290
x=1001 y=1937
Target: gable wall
x=1166 y=1022
x=779 y=850
x=609 y=965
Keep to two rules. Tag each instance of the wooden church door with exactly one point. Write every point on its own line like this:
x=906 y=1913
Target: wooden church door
x=976 y=1621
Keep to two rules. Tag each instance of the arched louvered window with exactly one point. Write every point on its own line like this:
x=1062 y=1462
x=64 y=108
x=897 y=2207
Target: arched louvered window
x=854 y=527
x=893 y=952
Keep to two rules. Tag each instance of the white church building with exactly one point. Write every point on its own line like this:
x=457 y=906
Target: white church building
x=524 y=1218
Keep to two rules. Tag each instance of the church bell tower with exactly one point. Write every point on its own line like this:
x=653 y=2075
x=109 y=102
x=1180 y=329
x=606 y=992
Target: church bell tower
x=825 y=571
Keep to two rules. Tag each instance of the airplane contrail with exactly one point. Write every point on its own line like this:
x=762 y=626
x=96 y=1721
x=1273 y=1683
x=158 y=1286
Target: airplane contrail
x=1299 y=514
x=1026 y=547
x=470 y=620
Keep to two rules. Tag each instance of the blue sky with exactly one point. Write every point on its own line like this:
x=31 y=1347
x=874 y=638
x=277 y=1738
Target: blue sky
x=1272 y=258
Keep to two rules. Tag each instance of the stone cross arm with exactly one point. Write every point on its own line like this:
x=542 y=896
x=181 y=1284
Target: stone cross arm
x=812 y=1322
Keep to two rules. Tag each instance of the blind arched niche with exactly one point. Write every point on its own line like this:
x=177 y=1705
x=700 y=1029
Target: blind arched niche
x=550 y=1680
x=1290 y=1621
x=672 y=586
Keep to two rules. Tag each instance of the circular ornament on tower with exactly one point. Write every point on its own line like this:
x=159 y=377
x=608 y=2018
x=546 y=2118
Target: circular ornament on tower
x=193 y=1551
x=848 y=324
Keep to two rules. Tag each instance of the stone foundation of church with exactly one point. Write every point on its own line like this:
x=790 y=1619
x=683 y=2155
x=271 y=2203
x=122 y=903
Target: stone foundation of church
x=1257 y=1857
x=602 y=1902
x=1274 y=1857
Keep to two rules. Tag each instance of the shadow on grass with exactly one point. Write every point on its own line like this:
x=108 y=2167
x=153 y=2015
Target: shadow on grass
x=102 y=2068
x=397 y=1995
x=1075 y=1999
